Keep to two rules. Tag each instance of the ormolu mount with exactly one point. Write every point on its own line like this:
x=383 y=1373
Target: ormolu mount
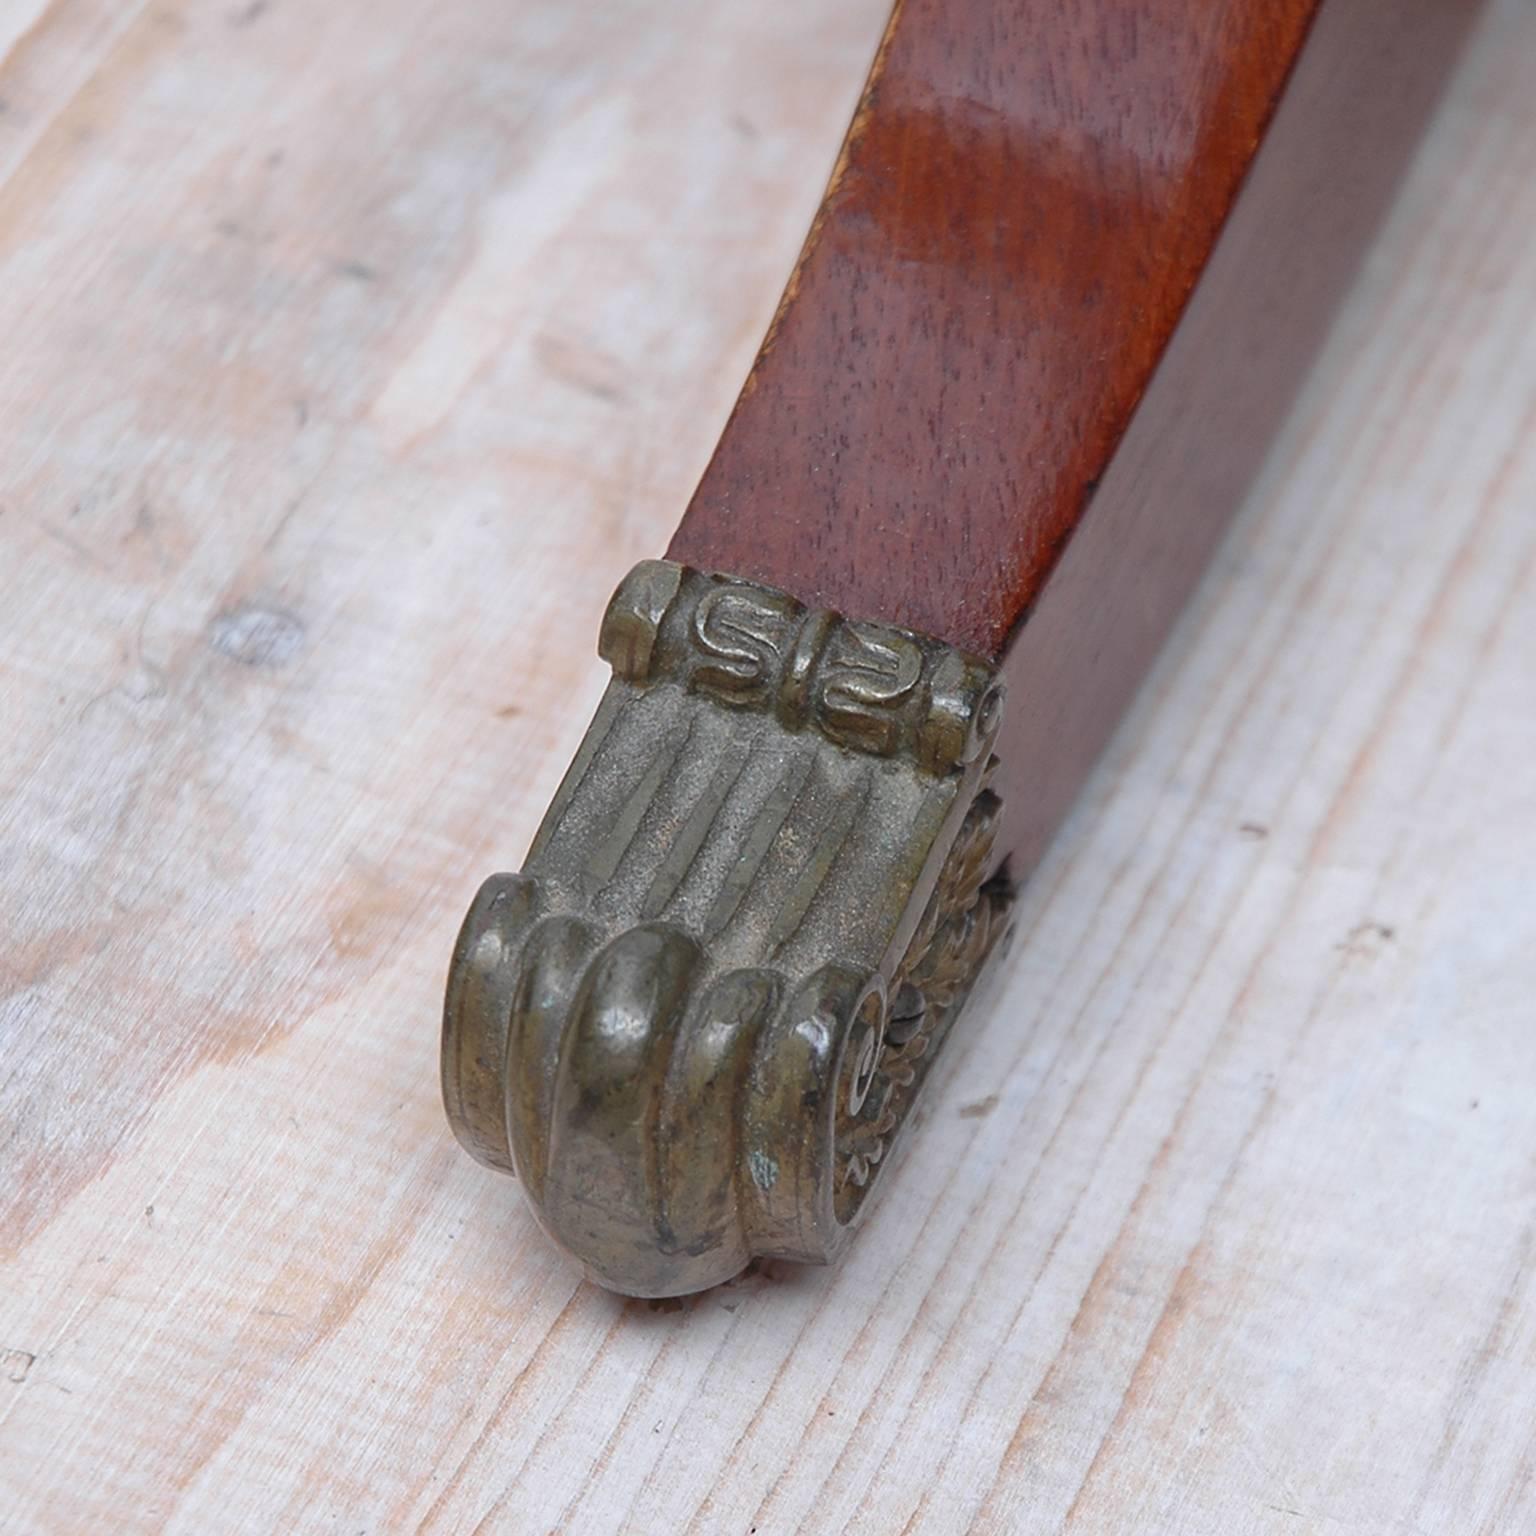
x=695 y=1022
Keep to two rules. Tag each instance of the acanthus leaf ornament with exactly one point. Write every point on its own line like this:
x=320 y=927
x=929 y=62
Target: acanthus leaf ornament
x=697 y=1020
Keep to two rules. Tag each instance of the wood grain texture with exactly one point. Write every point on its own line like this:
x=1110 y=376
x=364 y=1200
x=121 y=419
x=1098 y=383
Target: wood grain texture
x=1356 y=105
x=1026 y=199
x=1071 y=270
x=352 y=354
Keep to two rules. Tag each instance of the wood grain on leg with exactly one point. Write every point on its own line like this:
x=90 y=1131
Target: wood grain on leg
x=1070 y=271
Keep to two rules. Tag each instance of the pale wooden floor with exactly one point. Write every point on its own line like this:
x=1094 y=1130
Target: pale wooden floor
x=351 y=352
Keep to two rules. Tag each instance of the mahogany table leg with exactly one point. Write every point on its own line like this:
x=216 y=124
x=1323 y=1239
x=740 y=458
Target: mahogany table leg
x=1070 y=269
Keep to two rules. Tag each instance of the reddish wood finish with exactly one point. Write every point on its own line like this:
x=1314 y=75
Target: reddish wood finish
x=1027 y=196
x=1047 y=320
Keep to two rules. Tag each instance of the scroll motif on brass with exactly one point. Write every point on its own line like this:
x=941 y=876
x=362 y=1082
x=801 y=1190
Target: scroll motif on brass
x=696 y=1021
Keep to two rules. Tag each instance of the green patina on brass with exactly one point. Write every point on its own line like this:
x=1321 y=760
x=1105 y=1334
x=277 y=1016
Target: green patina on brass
x=695 y=1022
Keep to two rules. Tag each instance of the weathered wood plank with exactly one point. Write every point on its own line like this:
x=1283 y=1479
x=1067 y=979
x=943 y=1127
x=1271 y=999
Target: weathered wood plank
x=351 y=354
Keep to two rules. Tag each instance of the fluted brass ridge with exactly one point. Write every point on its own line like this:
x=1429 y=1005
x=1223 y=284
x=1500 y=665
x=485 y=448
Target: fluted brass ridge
x=696 y=1021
